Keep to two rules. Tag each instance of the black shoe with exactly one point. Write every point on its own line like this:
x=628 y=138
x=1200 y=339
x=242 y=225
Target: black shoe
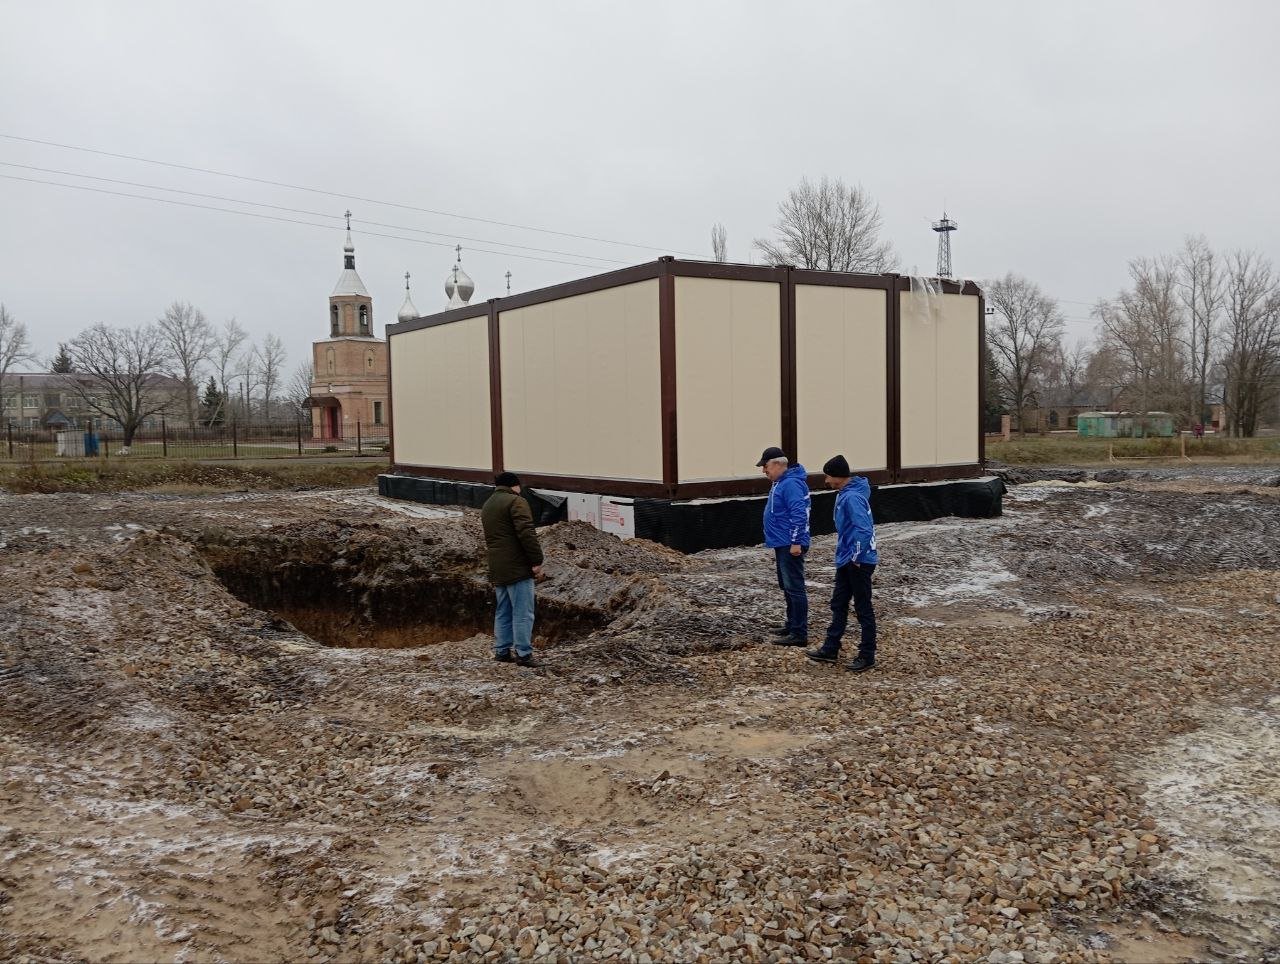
x=526 y=661
x=823 y=654
x=782 y=631
x=861 y=665
x=503 y=657
x=791 y=641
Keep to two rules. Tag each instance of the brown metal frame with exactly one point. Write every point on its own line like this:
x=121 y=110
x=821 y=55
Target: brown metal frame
x=666 y=270
x=982 y=381
x=667 y=375
x=894 y=310
x=434 y=321
x=581 y=286
x=789 y=386
x=391 y=411
x=625 y=488
x=495 y=389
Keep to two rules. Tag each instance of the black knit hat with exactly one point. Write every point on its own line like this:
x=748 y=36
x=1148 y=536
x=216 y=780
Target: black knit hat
x=837 y=467
x=507 y=480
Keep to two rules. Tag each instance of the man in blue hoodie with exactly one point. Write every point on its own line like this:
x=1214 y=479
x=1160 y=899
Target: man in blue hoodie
x=786 y=532
x=855 y=563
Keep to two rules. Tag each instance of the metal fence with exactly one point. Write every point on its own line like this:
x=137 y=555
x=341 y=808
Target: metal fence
x=167 y=440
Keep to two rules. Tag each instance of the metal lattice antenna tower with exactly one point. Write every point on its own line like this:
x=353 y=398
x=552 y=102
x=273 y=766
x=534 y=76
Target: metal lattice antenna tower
x=508 y=282
x=944 y=229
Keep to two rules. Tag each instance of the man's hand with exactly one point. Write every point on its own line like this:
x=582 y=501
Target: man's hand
x=796 y=550
x=537 y=572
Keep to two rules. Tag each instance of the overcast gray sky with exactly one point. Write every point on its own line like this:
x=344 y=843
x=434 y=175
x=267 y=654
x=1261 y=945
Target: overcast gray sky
x=1064 y=138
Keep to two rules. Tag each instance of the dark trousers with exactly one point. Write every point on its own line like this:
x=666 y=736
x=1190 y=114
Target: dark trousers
x=853 y=582
x=791 y=581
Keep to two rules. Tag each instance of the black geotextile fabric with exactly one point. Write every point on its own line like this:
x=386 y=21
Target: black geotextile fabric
x=722 y=523
x=546 y=508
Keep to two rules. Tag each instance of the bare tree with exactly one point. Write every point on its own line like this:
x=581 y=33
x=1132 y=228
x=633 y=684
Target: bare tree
x=1024 y=334
x=267 y=363
x=831 y=226
x=1144 y=327
x=226 y=349
x=298 y=391
x=1104 y=377
x=719 y=243
x=1251 y=359
x=190 y=341
x=1199 y=279
x=1065 y=373
x=15 y=347
x=119 y=374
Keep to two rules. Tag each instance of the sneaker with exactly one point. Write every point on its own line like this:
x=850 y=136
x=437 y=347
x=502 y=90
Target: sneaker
x=823 y=655
x=526 y=661
x=505 y=657
x=790 y=641
x=861 y=665
x=781 y=631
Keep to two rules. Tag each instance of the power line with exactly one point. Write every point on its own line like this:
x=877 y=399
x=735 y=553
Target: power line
x=338 y=194
x=316 y=214
x=272 y=217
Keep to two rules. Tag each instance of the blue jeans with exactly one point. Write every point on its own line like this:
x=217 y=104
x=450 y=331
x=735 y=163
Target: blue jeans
x=513 y=623
x=853 y=582
x=791 y=581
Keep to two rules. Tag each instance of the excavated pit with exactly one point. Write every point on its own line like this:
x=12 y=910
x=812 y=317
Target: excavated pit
x=363 y=586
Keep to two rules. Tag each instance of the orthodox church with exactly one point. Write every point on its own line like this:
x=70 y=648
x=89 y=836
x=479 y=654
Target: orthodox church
x=350 y=384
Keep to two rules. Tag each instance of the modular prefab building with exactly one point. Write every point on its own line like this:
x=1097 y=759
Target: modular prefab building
x=667 y=379
x=1097 y=424
x=1125 y=425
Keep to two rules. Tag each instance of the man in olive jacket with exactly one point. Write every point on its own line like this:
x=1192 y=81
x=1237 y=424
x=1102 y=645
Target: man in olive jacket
x=515 y=561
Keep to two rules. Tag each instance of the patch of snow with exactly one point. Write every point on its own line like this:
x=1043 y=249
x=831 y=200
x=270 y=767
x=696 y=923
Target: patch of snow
x=981 y=579
x=608 y=858
x=917 y=621
x=88 y=608
x=416 y=510
x=1216 y=793
x=145 y=717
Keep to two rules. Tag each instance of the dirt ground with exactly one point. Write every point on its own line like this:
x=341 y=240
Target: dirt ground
x=266 y=726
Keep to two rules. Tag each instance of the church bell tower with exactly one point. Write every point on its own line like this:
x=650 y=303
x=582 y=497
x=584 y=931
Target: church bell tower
x=350 y=307
x=350 y=381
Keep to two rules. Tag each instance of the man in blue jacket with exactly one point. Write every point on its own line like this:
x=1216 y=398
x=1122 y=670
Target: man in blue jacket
x=855 y=563
x=786 y=532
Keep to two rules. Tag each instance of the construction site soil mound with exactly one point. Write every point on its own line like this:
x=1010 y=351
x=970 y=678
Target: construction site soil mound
x=1066 y=753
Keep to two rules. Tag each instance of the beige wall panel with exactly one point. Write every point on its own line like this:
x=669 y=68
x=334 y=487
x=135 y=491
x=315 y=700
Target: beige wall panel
x=958 y=381
x=939 y=381
x=841 y=381
x=440 y=396
x=581 y=385
x=918 y=379
x=728 y=393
